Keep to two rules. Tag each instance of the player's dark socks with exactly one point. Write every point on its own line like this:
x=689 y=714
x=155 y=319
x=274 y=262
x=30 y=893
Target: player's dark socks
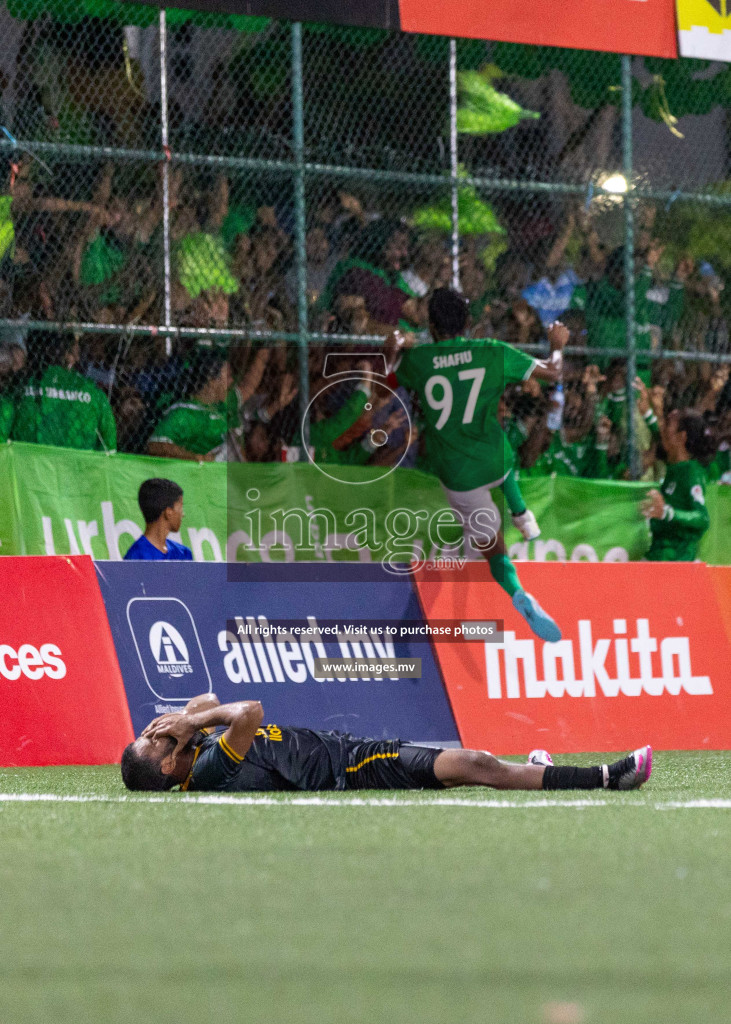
x=513 y=497
x=566 y=777
x=503 y=572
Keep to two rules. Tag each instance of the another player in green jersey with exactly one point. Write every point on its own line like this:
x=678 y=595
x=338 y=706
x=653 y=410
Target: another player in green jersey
x=205 y=424
x=62 y=407
x=677 y=512
x=459 y=382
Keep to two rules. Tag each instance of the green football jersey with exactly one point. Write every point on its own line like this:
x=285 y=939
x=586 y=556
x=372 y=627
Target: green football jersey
x=67 y=409
x=7 y=415
x=676 y=538
x=325 y=431
x=606 y=320
x=459 y=384
x=197 y=427
x=582 y=458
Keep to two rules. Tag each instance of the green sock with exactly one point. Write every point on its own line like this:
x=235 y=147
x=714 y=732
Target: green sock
x=512 y=494
x=504 y=573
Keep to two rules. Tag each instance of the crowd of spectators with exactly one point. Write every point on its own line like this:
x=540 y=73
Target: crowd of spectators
x=99 y=260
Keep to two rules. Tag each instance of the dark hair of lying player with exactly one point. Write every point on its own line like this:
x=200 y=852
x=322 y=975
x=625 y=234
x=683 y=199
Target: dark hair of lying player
x=156 y=495
x=448 y=314
x=143 y=770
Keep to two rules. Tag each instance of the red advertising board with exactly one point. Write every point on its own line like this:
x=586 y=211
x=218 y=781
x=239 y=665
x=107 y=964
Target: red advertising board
x=721 y=579
x=626 y=26
x=645 y=658
x=61 y=691
x=645 y=27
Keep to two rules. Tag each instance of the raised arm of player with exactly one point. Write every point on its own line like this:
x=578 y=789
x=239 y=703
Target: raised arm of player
x=202 y=702
x=395 y=343
x=550 y=369
x=242 y=720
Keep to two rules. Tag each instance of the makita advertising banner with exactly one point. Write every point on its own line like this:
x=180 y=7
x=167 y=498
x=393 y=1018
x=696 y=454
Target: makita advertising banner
x=628 y=26
x=185 y=629
x=61 y=691
x=645 y=658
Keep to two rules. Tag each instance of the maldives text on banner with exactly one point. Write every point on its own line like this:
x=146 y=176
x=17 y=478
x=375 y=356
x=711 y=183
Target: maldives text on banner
x=704 y=29
x=182 y=629
x=61 y=691
x=644 y=658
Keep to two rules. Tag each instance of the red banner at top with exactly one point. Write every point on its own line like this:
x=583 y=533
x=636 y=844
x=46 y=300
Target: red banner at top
x=645 y=27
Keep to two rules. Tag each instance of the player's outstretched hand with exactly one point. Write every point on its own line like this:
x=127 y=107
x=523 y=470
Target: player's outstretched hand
x=591 y=378
x=558 y=335
x=653 y=507
x=643 y=395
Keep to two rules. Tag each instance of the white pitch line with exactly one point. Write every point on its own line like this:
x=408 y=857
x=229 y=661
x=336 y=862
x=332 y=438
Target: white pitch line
x=348 y=801
x=678 y=805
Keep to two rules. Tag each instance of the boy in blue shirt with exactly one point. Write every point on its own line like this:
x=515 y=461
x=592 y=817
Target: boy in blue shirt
x=161 y=503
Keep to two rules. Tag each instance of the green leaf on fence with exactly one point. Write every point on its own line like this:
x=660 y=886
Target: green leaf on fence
x=475 y=216
x=202 y=264
x=483 y=109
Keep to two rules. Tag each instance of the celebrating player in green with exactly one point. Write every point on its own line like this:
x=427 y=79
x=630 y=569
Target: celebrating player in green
x=677 y=512
x=459 y=382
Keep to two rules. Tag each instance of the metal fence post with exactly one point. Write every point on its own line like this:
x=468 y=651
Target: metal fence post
x=165 y=178
x=298 y=140
x=453 y=161
x=629 y=265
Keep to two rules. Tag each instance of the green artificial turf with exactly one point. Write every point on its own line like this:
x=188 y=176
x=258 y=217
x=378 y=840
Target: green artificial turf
x=175 y=911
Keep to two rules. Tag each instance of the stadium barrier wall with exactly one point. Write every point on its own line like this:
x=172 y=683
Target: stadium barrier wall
x=183 y=629
x=645 y=655
x=581 y=520
x=61 y=690
x=645 y=658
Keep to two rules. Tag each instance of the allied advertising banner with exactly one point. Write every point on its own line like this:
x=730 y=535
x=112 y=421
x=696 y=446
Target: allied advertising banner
x=61 y=691
x=71 y=502
x=644 y=658
x=183 y=629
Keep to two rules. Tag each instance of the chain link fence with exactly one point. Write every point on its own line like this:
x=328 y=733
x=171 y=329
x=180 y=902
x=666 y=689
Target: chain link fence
x=198 y=210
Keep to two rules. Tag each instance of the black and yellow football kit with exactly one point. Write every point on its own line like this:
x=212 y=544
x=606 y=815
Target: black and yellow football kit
x=291 y=759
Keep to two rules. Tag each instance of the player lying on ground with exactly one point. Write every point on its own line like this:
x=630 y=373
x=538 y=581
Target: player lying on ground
x=459 y=382
x=212 y=746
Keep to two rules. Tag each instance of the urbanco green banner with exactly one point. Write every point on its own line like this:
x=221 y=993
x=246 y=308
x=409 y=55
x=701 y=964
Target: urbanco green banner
x=61 y=501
